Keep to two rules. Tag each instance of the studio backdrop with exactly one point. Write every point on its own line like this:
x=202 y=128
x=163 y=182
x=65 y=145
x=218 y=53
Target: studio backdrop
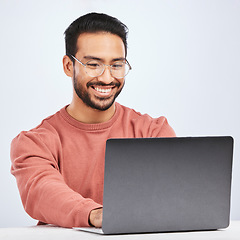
x=185 y=58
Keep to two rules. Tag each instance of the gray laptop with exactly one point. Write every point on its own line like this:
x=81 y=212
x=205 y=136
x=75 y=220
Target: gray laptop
x=166 y=184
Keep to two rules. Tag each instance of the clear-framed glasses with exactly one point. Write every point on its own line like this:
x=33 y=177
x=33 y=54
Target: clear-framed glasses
x=95 y=68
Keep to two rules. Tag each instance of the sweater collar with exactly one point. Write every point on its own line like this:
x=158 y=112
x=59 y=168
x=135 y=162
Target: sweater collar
x=90 y=127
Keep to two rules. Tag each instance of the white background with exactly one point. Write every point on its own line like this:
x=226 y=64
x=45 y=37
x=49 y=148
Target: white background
x=185 y=56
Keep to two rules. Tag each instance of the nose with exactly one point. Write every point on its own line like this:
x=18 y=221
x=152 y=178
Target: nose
x=106 y=76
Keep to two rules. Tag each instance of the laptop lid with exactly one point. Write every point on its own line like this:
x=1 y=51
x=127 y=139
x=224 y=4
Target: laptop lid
x=167 y=184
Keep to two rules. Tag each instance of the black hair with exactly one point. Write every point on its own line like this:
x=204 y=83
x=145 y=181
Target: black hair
x=92 y=23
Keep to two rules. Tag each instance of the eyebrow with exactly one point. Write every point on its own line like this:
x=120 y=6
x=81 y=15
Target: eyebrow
x=100 y=59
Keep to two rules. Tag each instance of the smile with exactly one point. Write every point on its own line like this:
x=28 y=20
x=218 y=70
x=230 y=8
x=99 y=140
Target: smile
x=102 y=90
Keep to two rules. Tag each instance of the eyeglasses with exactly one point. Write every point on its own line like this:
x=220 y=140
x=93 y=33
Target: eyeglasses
x=95 y=68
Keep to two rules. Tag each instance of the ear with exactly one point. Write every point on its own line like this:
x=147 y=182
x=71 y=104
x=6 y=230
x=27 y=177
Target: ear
x=68 y=66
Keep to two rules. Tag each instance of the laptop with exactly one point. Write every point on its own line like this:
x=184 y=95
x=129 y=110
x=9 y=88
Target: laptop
x=166 y=185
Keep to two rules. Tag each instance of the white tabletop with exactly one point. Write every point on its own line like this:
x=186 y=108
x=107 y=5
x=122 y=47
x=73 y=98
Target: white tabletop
x=50 y=232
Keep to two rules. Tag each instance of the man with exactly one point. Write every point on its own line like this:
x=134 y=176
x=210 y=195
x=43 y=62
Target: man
x=59 y=165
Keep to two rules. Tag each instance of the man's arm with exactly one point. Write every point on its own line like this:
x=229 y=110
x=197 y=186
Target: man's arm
x=44 y=193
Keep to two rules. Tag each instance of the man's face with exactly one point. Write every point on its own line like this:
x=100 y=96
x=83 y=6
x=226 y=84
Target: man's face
x=98 y=92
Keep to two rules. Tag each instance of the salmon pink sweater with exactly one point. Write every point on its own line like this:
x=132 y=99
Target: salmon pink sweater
x=59 y=165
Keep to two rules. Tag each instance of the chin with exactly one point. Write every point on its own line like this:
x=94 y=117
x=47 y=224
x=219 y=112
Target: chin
x=103 y=107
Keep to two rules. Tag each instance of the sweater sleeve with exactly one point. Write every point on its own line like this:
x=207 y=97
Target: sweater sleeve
x=44 y=193
x=146 y=126
x=161 y=128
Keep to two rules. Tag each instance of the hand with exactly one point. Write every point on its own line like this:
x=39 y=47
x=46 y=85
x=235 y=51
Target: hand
x=95 y=217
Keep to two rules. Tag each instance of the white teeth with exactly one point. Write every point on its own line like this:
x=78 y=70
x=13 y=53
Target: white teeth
x=103 y=90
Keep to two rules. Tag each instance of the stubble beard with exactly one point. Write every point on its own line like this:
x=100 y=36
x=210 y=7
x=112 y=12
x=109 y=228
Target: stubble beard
x=98 y=103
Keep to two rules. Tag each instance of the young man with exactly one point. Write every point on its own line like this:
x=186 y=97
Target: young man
x=59 y=165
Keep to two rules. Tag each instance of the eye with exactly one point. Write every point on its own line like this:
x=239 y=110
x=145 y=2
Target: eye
x=93 y=64
x=118 y=65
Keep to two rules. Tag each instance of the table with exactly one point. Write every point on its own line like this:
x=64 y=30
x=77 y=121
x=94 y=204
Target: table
x=57 y=233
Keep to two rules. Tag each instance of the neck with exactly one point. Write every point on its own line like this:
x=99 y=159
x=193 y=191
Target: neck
x=85 y=114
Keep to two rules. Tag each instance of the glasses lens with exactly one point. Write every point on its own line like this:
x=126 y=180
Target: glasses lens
x=94 y=68
x=119 y=69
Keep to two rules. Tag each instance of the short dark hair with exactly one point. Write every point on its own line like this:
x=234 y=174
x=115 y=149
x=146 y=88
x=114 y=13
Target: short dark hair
x=92 y=23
